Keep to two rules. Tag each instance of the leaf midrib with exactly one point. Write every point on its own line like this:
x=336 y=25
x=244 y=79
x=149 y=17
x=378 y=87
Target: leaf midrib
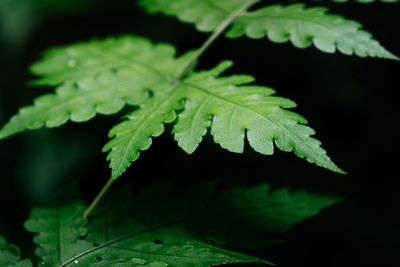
x=143 y=124
x=167 y=225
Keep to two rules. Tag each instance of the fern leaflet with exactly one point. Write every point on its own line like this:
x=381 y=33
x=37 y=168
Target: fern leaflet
x=61 y=228
x=296 y=23
x=95 y=77
x=180 y=230
x=230 y=109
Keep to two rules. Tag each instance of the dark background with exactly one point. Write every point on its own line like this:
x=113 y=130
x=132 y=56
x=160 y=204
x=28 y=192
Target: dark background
x=351 y=102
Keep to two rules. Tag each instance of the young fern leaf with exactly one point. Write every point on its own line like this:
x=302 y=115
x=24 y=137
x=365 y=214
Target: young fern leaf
x=138 y=72
x=225 y=104
x=296 y=23
x=10 y=255
x=180 y=231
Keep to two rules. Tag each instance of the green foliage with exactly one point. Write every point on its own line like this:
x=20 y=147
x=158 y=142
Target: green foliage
x=61 y=226
x=167 y=226
x=296 y=23
x=10 y=255
x=164 y=225
x=101 y=76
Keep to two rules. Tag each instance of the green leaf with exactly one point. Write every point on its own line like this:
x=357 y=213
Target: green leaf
x=60 y=229
x=232 y=110
x=94 y=77
x=134 y=134
x=166 y=226
x=146 y=77
x=296 y=23
x=10 y=255
x=240 y=216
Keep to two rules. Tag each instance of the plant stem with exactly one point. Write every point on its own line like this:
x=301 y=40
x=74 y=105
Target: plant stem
x=185 y=70
x=98 y=198
x=217 y=32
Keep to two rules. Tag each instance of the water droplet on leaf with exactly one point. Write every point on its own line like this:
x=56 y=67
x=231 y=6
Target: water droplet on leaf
x=71 y=63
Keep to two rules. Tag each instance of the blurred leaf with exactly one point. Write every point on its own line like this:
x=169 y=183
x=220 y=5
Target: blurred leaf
x=10 y=255
x=301 y=25
x=60 y=227
x=166 y=226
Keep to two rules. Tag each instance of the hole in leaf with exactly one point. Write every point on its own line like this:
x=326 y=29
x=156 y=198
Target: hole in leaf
x=156 y=241
x=150 y=92
x=99 y=258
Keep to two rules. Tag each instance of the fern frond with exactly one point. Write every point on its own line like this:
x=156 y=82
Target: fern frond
x=230 y=107
x=180 y=231
x=237 y=109
x=10 y=255
x=146 y=77
x=98 y=77
x=296 y=23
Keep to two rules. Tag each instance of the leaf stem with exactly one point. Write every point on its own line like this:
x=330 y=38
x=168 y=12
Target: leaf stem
x=185 y=70
x=189 y=65
x=98 y=198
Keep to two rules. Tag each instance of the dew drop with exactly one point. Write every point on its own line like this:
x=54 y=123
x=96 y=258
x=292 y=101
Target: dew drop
x=76 y=261
x=71 y=63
